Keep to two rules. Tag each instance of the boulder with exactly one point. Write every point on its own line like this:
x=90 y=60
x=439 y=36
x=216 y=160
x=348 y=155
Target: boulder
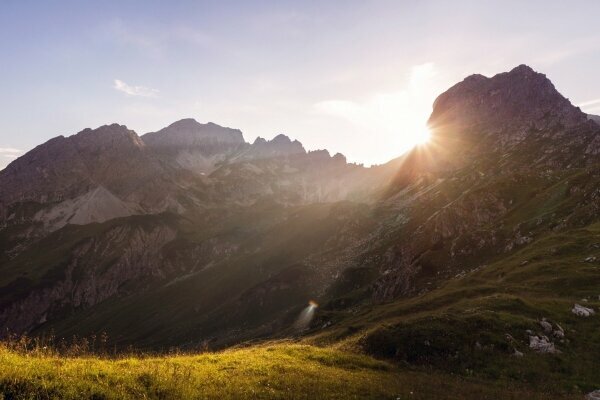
x=595 y=395
x=542 y=344
x=582 y=311
x=517 y=353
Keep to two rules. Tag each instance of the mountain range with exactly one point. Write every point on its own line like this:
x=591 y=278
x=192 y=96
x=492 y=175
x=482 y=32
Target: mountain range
x=468 y=253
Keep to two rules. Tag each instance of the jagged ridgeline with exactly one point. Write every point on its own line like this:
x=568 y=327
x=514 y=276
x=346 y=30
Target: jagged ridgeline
x=467 y=254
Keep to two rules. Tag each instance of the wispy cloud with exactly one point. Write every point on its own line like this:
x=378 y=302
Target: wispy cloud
x=140 y=91
x=125 y=35
x=593 y=110
x=156 y=41
x=9 y=151
x=7 y=154
x=589 y=103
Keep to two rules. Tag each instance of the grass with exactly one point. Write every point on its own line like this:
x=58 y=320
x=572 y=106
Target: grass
x=275 y=371
x=472 y=324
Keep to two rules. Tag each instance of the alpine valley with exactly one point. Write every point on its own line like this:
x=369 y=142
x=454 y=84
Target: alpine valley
x=468 y=267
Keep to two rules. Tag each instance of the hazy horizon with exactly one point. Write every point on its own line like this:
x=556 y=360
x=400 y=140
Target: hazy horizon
x=358 y=79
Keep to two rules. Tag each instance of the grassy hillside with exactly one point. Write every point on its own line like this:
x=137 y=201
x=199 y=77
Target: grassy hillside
x=280 y=371
x=473 y=324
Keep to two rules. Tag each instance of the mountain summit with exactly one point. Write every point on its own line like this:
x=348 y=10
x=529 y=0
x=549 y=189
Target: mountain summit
x=190 y=133
x=519 y=111
x=517 y=100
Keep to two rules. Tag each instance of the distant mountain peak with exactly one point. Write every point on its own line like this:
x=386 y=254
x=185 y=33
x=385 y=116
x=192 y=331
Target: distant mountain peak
x=510 y=101
x=188 y=132
x=281 y=138
x=259 y=140
x=185 y=122
x=106 y=136
x=107 y=129
x=280 y=145
x=523 y=69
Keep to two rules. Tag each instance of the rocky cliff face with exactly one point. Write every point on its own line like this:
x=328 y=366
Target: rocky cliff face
x=112 y=262
x=501 y=146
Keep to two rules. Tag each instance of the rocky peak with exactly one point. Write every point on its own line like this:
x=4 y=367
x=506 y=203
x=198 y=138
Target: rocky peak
x=106 y=137
x=323 y=157
x=280 y=145
x=518 y=100
x=60 y=152
x=259 y=141
x=64 y=168
x=281 y=138
x=339 y=158
x=188 y=133
x=519 y=112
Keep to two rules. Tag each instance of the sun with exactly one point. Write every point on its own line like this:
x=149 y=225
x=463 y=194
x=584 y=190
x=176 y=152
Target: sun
x=420 y=136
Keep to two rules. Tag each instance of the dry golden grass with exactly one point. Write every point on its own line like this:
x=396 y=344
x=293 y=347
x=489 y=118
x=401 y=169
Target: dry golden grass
x=275 y=371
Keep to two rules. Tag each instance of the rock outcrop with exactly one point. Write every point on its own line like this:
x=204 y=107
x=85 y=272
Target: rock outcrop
x=542 y=344
x=582 y=311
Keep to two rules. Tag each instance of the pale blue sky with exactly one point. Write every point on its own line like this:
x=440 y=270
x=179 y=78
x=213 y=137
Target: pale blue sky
x=355 y=77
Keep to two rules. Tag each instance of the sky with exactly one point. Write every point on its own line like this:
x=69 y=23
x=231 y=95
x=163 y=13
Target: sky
x=356 y=77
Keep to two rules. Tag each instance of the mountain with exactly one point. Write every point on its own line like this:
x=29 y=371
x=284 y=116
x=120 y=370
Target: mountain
x=191 y=145
x=136 y=216
x=488 y=239
x=466 y=255
x=109 y=172
x=52 y=182
x=499 y=148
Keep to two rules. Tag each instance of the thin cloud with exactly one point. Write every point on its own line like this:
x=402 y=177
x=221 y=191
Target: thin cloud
x=8 y=153
x=589 y=103
x=140 y=91
x=593 y=110
x=123 y=34
x=9 y=150
x=155 y=42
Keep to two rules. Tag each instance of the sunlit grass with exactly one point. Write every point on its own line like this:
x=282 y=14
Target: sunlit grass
x=279 y=371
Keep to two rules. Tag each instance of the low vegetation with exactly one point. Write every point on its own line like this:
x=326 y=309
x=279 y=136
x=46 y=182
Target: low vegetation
x=279 y=370
x=479 y=323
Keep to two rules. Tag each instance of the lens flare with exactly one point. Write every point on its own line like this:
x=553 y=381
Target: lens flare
x=306 y=316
